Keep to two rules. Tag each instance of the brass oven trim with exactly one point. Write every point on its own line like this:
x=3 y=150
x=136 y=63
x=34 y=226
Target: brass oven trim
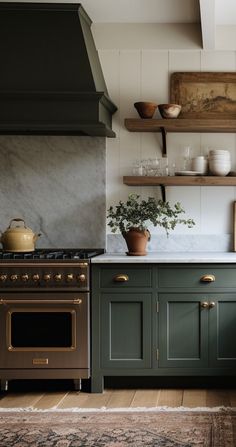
x=40 y=349
x=64 y=264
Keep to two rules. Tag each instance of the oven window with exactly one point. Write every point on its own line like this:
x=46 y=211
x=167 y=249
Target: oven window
x=41 y=329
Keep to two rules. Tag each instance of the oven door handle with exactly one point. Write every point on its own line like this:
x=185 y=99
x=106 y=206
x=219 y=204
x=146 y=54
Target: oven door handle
x=76 y=301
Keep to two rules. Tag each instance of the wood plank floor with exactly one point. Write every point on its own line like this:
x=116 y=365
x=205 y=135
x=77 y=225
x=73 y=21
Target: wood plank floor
x=121 y=398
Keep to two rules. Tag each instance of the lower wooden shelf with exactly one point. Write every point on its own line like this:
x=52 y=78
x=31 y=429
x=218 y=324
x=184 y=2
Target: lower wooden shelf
x=180 y=180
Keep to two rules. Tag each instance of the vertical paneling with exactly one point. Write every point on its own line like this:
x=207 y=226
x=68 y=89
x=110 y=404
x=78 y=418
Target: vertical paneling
x=154 y=87
x=216 y=212
x=110 y=61
x=130 y=92
x=190 y=198
x=216 y=199
x=133 y=75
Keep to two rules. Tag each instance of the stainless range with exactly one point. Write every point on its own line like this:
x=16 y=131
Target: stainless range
x=44 y=315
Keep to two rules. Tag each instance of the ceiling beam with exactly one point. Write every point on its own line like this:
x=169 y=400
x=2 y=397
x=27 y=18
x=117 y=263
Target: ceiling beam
x=207 y=12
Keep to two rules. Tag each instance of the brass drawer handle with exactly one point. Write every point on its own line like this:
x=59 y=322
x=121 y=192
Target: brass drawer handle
x=204 y=304
x=212 y=304
x=208 y=278
x=121 y=278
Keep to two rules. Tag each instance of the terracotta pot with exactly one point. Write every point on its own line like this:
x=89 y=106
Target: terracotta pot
x=136 y=241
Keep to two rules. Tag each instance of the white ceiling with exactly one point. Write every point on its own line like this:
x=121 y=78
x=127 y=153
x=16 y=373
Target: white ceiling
x=157 y=11
x=142 y=11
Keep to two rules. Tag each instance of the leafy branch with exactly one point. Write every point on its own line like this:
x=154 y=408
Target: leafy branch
x=137 y=213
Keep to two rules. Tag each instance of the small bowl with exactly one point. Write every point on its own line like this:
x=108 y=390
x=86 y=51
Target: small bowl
x=169 y=110
x=219 y=168
x=219 y=152
x=145 y=109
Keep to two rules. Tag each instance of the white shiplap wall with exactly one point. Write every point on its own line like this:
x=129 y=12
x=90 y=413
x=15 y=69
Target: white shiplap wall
x=133 y=75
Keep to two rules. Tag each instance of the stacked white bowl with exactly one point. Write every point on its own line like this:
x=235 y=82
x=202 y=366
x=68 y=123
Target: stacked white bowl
x=219 y=162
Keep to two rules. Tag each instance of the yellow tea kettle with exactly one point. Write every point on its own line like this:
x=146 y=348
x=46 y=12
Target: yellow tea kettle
x=18 y=238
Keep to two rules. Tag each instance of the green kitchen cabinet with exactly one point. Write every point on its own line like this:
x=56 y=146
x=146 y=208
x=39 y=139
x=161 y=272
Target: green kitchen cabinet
x=222 y=331
x=122 y=308
x=125 y=330
x=162 y=320
x=183 y=331
x=197 y=330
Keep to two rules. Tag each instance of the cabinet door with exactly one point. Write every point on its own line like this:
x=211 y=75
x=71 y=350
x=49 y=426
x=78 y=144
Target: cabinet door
x=126 y=330
x=183 y=331
x=222 y=330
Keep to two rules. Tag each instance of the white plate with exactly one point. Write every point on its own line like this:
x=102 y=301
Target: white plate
x=188 y=173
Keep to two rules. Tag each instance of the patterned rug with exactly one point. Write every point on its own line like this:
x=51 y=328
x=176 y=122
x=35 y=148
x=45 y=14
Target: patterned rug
x=154 y=429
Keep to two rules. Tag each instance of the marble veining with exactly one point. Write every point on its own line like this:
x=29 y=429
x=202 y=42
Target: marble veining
x=176 y=243
x=57 y=184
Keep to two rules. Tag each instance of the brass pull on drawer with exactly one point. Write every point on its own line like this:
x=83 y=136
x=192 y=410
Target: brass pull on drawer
x=208 y=278
x=204 y=305
x=121 y=278
x=212 y=304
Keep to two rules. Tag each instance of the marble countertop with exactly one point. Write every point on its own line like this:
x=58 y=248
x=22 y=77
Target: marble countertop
x=165 y=257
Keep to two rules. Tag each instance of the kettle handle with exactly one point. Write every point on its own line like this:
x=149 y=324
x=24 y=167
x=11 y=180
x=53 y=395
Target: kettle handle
x=17 y=219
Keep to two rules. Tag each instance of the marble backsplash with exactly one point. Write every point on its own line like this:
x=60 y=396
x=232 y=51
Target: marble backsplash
x=177 y=243
x=57 y=184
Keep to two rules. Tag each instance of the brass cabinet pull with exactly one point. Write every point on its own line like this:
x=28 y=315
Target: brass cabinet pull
x=212 y=304
x=208 y=278
x=204 y=304
x=121 y=278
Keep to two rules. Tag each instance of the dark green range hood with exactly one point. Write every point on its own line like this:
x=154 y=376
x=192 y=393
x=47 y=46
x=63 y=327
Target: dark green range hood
x=51 y=81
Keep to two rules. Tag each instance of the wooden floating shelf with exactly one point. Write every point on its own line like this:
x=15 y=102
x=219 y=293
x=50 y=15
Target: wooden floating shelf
x=182 y=180
x=180 y=125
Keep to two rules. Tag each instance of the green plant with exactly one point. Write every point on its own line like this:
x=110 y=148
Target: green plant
x=137 y=213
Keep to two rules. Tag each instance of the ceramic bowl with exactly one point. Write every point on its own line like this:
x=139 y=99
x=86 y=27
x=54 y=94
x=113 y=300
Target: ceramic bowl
x=219 y=152
x=219 y=168
x=169 y=110
x=220 y=158
x=145 y=109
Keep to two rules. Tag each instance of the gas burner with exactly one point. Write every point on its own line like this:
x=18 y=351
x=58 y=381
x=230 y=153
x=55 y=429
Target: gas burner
x=62 y=254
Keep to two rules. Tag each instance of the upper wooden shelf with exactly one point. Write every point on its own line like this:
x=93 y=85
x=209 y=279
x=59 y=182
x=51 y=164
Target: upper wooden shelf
x=178 y=180
x=180 y=125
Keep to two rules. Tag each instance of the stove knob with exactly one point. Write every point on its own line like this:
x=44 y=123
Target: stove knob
x=13 y=277
x=81 y=278
x=69 y=277
x=35 y=277
x=25 y=277
x=47 y=277
x=3 y=277
x=58 y=277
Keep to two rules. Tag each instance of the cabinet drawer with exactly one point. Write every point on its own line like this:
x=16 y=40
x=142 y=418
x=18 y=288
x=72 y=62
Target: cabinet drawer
x=123 y=276
x=205 y=277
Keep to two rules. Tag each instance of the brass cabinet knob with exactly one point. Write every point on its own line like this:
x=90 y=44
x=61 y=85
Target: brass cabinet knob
x=25 y=277
x=212 y=304
x=13 y=277
x=204 y=304
x=81 y=278
x=47 y=277
x=69 y=277
x=121 y=278
x=3 y=277
x=58 y=277
x=35 y=277
x=208 y=278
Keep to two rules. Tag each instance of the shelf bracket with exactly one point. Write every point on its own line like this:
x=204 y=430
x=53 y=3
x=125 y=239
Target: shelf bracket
x=163 y=192
x=163 y=134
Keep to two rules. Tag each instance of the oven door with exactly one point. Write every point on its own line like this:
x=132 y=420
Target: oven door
x=48 y=330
